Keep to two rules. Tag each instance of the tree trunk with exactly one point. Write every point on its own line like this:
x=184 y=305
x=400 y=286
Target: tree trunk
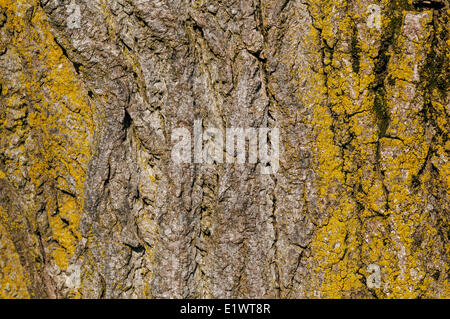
x=93 y=205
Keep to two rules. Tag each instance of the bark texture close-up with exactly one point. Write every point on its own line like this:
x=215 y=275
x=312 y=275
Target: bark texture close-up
x=92 y=204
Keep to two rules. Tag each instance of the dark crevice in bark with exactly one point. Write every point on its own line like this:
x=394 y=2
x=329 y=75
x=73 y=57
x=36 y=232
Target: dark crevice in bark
x=428 y=4
x=76 y=65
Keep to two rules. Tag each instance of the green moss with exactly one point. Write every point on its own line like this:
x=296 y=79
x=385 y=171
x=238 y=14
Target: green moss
x=436 y=71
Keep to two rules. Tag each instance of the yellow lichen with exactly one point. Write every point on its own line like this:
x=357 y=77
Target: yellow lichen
x=59 y=123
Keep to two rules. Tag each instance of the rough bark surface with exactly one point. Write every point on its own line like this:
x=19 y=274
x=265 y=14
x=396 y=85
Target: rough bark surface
x=92 y=205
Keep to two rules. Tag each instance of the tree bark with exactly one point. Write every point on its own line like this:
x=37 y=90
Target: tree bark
x=92 y=204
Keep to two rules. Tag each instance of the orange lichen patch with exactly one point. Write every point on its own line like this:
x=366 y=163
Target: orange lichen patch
x=12 y=279
x=66 y=221
x=374 y=214
x=58 y=123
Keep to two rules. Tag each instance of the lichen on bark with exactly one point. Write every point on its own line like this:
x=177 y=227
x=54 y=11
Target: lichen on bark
x=92 y=205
